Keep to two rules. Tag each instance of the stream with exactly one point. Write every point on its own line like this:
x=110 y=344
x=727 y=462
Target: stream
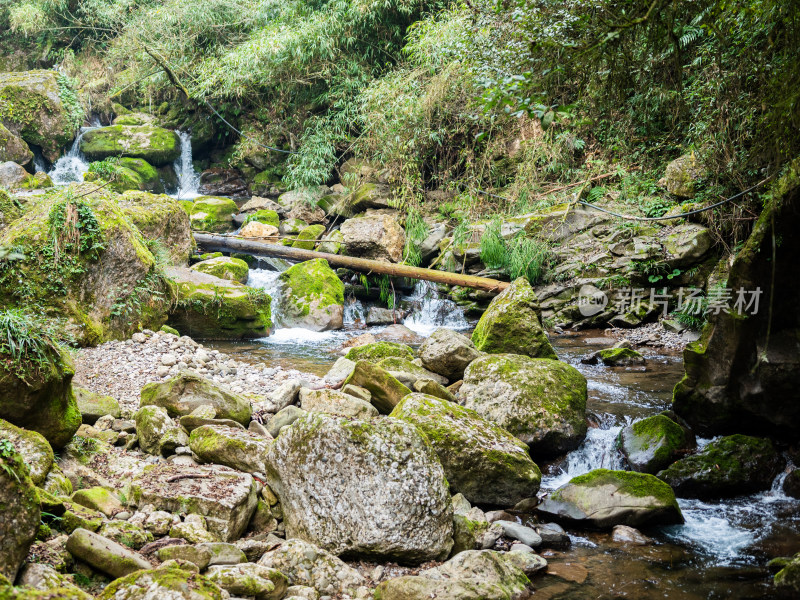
x=720 y=552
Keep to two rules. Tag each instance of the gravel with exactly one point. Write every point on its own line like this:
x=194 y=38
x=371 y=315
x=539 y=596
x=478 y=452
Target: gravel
x=121 y=368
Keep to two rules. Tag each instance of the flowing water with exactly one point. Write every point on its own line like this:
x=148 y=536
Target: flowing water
x=188 y=178
x=71 y=167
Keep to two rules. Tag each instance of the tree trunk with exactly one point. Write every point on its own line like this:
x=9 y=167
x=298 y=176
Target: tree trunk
x=230 y=244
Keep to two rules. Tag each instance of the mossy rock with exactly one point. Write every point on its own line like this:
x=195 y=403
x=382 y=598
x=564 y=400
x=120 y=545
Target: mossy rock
x=79 y=517
x=306 y=239
x=651 y=444
x=267 y=217
x=311 y=296
x=170 y=582
x=787 y=580
x=34 y=448
x=214 y=214
x=407 y=372
x=331 y=243
x=13 y=148
x=386 y=391
x=20 y=513
x=512 y=324
x=603 y=498
x=231 y=269
x=134 y=174
x=730 y=466
x=211 y=308
x=93 y=405
x=41 y=398
x=620 y=357
x=10 y=208
x=105 y=288
x=155 y=145
x=540 y=401
x=37 y=181
x=377 y=351
x=127 y=534
x=483 y=462
x=232 y=447
x=99 y=499
x=292 y=226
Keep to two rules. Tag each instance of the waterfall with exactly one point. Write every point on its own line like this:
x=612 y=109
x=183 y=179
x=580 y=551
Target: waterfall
x=73 y=165
x=188 y=179
x=431 y=311
x=354 y=311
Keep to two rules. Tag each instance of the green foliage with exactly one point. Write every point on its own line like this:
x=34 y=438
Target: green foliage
x=7 y=454
x=519 y=256
x=69 y=98
x=105 y=169
x=28 y=344
x=416 y=232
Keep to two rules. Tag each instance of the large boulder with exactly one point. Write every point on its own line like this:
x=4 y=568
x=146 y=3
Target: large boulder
x=20 y=514
x=375 y=352
x=12 y=175
x=10 y=207
x=127 y=174
x=37 y=395
x=214 y=214
x=13 y=148
x=311 y=296
x=93 y=405
x=386 y=391
x=33 y=447
x=732 y=465
x=211 y=308
x=250 y=580
x=682 y=174
x=377 y=235
x=157 y=433
x=362 y=488
x=224 y=267
x=84 y=262
x=512 y=324
x=602 y=499
x=40 y=107
x=169 y=583
x=184 y=393
x=447 y=353
x=483 y=462
x=161 y=219
x=233 y=447
x=308 y=236
x=157 y=146
x=651 y=444
x=103 y=554
x=225 y=498
x=338 y=403
x=540 y=401
x=733 y=383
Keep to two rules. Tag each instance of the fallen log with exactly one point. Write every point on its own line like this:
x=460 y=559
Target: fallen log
x=217 y=243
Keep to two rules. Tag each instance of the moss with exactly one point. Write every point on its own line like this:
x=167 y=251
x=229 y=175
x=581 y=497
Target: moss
x=168 y=582
x=231 y=269
x=10 y=208
x=386 y=390
x=77 y=516
x=36 y=182
x=268 y=217
x=310 y=283
x=619 y=356
x=378 y=351
x=638 y=485
x=307 y=237
x=293 y=226
x=214 y=214
x=155 y=145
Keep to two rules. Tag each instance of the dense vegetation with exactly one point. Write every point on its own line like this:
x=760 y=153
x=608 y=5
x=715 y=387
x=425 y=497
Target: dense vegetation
x=512 y=97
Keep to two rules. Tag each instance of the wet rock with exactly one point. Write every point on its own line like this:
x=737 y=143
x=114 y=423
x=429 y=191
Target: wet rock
x=224 y=267
x=103 y=554
x=447 y=353
x=730 y=466
x=184 y=393
x=34 y=449
x=20 y=514
x=622 y=534
x=470 y=575
x=336 y=403
x=553 y=536
x=651 y=444
x=311 y=296
x=226 y=498
x=386 y=391
x=232 y=447
x=377 y=315
x=483 y=462
x=309 y=565
x=170 y=582
x=93 y=406
x=155 y=145
x=377 y=235
x=603 y=498
x=787 y=580
x=250 y=580
x=223 y=182
x=512 y=324
x=791 y=485
x=540 y=401
x=516 y=531
x=362 y=488
x=615 y=357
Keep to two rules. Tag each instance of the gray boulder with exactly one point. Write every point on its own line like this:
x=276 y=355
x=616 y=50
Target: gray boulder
x=103 y=554
x=20 y=514
x=169 y=583
x=184 y=393
x=337 y=403
x=233 y=447
x=448 y=353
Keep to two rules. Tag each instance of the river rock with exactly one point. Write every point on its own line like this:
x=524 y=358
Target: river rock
x=99 y=499
x=540 y=401
x=730 y=466
x=188 y=391
x=93 y=405
x=306 y=239
x=385 y=390
x=512 y=324
x=362 y=488
x=223 y=182
x=157 y=146
x=311 y=296
x=651 y=444
x=285 y=394
x=224 y=267
x=469 y=575
x=285 y=416
x=12 y=175
x=13 y=149
x=791 y=485
x=337 y=403
x=213 y=214
x=250 y=580
x=340 y=371
x=431 y=388
x=44 y=578
x=33 y=447
x=377 y=235
x=170 y=583
x=235 y=448
x=787 y=580
x=615 y=357
x=224 y=497
x=33 y=109
x=408 y=373
x=375 y=352
x=603 y=498
x=255 y=229
x=103 y=554
x=20 y=514
x=483 y=462
x=158 y=434
x=516 y=531
x=447 y=353
x=309 y=565
x=622 y=534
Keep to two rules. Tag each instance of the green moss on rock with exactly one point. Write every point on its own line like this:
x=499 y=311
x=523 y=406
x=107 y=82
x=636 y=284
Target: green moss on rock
x=155 y=145
x=214 y=214
x=378 y=351
x=652 y=443
x=311 y=296
x=231 y=269
x=308 y=236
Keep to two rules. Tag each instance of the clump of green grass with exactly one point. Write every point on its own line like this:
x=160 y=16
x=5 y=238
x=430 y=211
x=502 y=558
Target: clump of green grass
x=520 y=256
x=28 y=344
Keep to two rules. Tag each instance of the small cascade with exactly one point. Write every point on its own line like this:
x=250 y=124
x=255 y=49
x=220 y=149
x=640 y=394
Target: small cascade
x=354 y=311
x=71 y=167
x=432 y=312
x=188 y=179
x=39 y=164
